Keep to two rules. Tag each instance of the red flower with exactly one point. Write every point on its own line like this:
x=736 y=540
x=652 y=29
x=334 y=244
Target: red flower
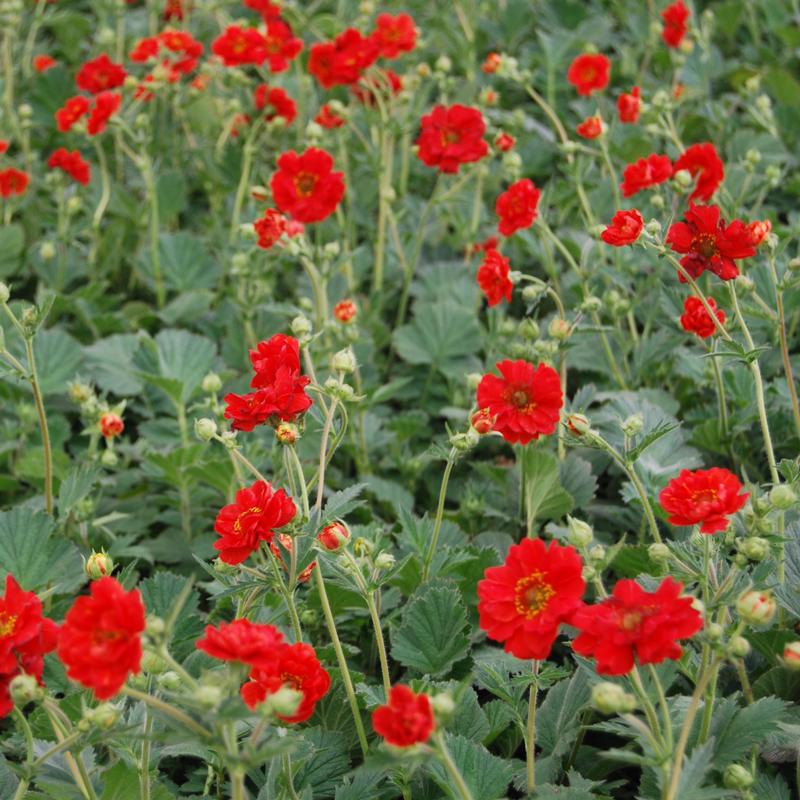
x=491 y=63
x=406 y=720
x=707 y=243
x=100 y=74
x=252 y=519
x=333 y=537
x=327 y=118
x=242 y=641
x=590 y=128
x=526 y=400
x=493 y=278
x=625 y=228
x=295 y=666
x=482 y=421
x=106 y=104
x=73 y=109
x=635 y=626
x=111 y=425
x=758 y=231
x=504 y=142
x=43 y=63
x=13 y=181
x=270 y=228
x=237 y=46
x=267 y=9
x=72 y=163
x=451 y=136
x=517 y=206
x=343 y=61
x=705 y=497
x=645 y=173
x=282 y=105
x=628 y=106
x=675 y=17
x=695 y=319
x=100 y=640
x=394 y=35
x=345 y=311
x=25 y=637
x=3 y=146
x=305 y=186
x=589 y=73
x=523 y=602
x=281 y=45
x=703 y=163
x=173 y=10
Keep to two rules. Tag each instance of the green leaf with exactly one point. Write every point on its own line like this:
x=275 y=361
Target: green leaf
x=771 y=787
x=8 y=780
x=58 y=358
x=432 y=637
x=747 y=727
x=110 y=364
x=121 y=782
x=558 y=720
x=328 y=762
x=577 y=478
x=171 y=193
x=159 y=595
x=650 y=438
x=486 y=775
x=34 y=555
x=545 y=498
x=76 y=486
x=185 y=262
x=12 y=245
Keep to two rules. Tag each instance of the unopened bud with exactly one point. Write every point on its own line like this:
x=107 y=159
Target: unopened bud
x=578 y=424
x=344 y=361
x=559 y=329
x=791 y=656
x=754 y=548
x=384 y=561
x=154 y=626
x=287 y=433
x=755 y=607
x=25 y=689
x=104 y=716
x=533 y=291
x=597 y=553
x=47 y=251
x=591 y=305
x=659 y=552
x=284 y=702
x=301 y=326
x=205 y=429
x=212 y=383
x=528 y=328
x=334 y=537
x=169 y=681
x=610 y=698
x=714 y=631
x=99 y=565
x=683 y=178
x=580 y=532
x=736 y=776
x=633 y=424
x=443 y=705
x=738 y=647
x=109 y=458
x=782 y=497
x=362 y=546
x=207 y=696
x=483 y=421
x=152 y=663
x=5 y=293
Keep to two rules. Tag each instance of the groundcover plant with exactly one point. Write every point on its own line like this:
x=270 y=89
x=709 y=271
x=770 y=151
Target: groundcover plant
x=398 y=400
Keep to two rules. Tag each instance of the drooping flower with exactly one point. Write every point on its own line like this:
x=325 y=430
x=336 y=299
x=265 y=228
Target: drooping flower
x=589 y=73
x=406 y=719
x=106 y=104
x=343 y=61
x=625 y=228
x=675 y=17
x=277 y=101
x=281 y=45
x=74 y=109
x=705 y=497
x=523 y=602
x=295 y=666
x=306 y=186
x=695 y=319
x=703 y=162
x=13 y=182
x=634 y=626
x=254 y=517
x=628 y=105
x=590 y=128
x=517 y=207
x=100 y=74
x=100 y=640
x=269 y=228
x=526 y=400
x=451 y=136
x=759 y=230
x=645 y=173
x=72 y=163
x=327 y=118
x=493 y=278
x=243 y=641
x=394 y=35
x=238 y=46
x=707 y=243
x=111 y=425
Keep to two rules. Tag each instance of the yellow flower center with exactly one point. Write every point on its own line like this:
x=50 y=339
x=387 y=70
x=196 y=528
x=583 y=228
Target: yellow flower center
x=533 y=593
x=7 y=624
x=237 y=526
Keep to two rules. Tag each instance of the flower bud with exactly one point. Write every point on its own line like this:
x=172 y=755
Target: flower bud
x=207 y=695
x=5 y=293
x=334 y=537
x=473 y=380
x=309 y=617
x=443 y=705
x=714 y=631
x=228 y=439
x=763 y=103
x=205 y=429
x=794 y=264
x=659 y=552
x=791 y=656
x=284 y=702
x=25 y=689
x=528 y=328
x=533 y=291
x=578 y=424
x=633 y=425
x=754 y=548
x=47 y=251
x=755 y=607
x=301 y=326
x=384 y=561
x=212 y=383
x=683 y=178
x=344 y=361
x=736 y=776
x=482 y=421
x=443 y=64
x=738 y=647
x=154 y=626
x=99 y=565
x=345 y=312
x=782 y=497
x=465 y=441
x=104 y=716
x=152 y=663
x=109 y=458
x=580 y=532
x=610 y=698
x=74 y=205
x=588 y=573
x=559 y=329
x=653 y=228
x=111 y=425
x=591 y=305
x=287 y=433
x=169 y=681
x=362 y=546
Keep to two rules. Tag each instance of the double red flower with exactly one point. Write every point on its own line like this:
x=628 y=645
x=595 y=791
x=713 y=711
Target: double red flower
x=276 y=101
x=589 y=73
x=451 y=136
x=238 y=46
x=590 y=128
x=394 y=35
x=13 y=182
x=281 y=45
x=702 y=162
x=628 y=105
x=406 y=719
x=106 y=104
x=305 y=186
x=645 y=173
x=517 y=207
x=100 y=74
x=695 y=319
x=675 y=17
x=493 y=278
x=71 y=163
x=343 y=61
x=625 y=228
x=705 y=497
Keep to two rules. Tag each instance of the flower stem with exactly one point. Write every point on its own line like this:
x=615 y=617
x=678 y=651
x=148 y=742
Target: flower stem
x=382 y=657
x=450 y=766
x=437 y=525
x=169 y=710
x=33 y=377
x=530 y=739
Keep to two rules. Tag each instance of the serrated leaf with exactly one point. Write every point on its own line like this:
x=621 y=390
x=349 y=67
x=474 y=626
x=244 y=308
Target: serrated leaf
x=328 y=762
x=159 y=594
x=486 y=775
x=649 y=439
x=341 y=503
x=577 y=479
x=431 y=637
x=545 y=498
x=76 y=486
x=557 y=720
x=121 y=782
x=110 y=364
x=58 y=358
x=747 y=727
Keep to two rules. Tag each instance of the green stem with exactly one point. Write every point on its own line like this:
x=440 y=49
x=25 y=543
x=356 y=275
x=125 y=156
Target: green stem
x=289 y=777
x=437 y=525
x=155 y=254
x=43 y=428
x=382 y=657
x=530 y=739
x=170 y=711
x=323 y=449
x=144 y=764
x=102 y=203
x=461 y=787
x=238 y=790
x=662 y=702
x=384 y=185
x=721 y=402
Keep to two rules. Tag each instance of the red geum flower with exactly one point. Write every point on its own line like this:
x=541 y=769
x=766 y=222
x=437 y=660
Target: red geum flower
x=72 y=163
x=523 y=602
x=702 y=162
x=106 y=104
x=13 y=182
x=343 y=61
x=237 y=46
x=281 y=105
x=281 y=45
x=253 y=518
x=345 y=312
x=267 y=9
x=625 y=228
x=295 y=666
x=707 y=243
x=327 y=118
x=675 y=17
x=43 y=63
x=628 y=106
x=695 y=319
x=100 y=640
x=759 y=230
x=633 y=625
x=645 y=173
x=491 y=63
x=451 y=136
x=493 y=278
x=25 y=637
x=111 y=425
x=526 y=400
x=406 y=720
x=4 y=145
x=482 y=421
x=590 y=128
x=504 y=142
x=270 y=228
x=100 y=74
x=705 y=497
x=589 y=73
x=394 y=35
x=243 y=641
x=517 y=207
x=305 y=186
x=334 y=537
x=73 y=109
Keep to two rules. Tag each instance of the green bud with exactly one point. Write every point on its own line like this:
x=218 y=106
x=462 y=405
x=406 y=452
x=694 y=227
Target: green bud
x=5 y=293
x=212 y=383
x=99 y=565
x=384 y=561
x=737 y=777
x=207 y=695
x=755 y=548
x=738 y=647
x=169 y=681
x=344 y=361
x=633 y=424
x=580 y=532
x=714 y=631
x=25 y=689
x=205 y=429
x=782 y=497
x=301 y=326
x=152 y=663
x=659 y=552
x=610 y=698
x=756 y=607
x=443 y=705
x=103 y=716
x=528 y=328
